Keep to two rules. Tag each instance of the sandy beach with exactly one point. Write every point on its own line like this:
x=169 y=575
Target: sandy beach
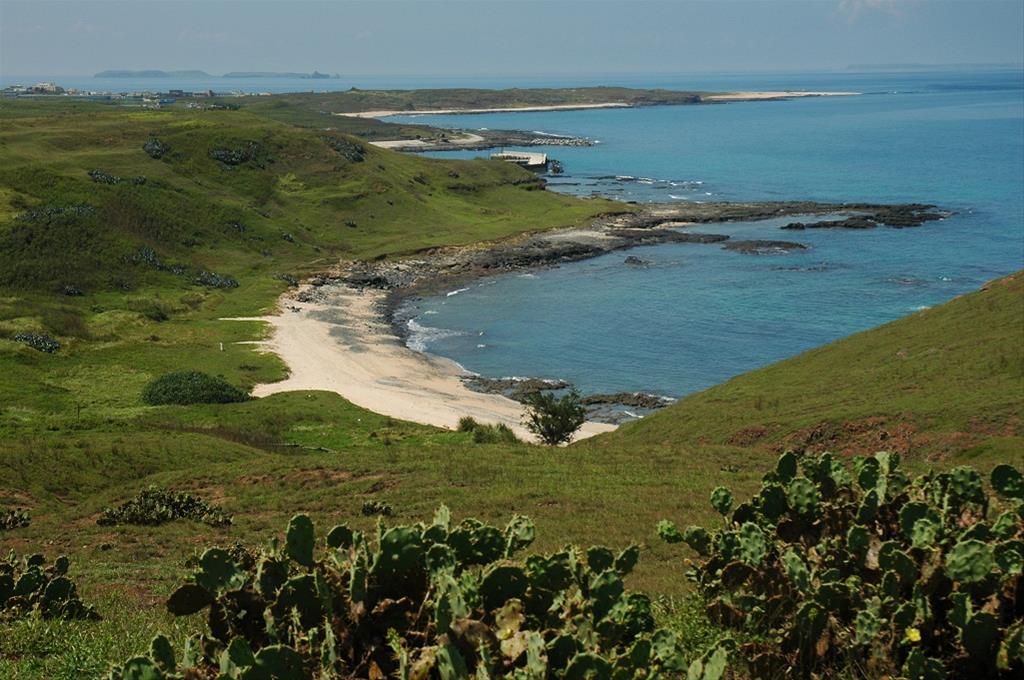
x=343 y=345
x=726 y=96
x=507 y=109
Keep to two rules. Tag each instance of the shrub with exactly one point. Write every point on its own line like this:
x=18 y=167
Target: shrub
x=14 y=519
x=487 y=434
x=191 y=387
x=428 y=600
x=827 y=570
x=28 y=586
x=155 y=506
x=554 y=419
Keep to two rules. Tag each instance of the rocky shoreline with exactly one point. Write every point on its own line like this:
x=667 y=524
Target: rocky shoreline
x=440 y=269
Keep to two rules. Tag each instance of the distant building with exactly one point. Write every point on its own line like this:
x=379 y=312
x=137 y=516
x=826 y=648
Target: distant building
x=524 y=158
x=176 y=93
x=47 y=88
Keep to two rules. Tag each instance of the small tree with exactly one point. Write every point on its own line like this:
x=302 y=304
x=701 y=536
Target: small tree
x=553 y=419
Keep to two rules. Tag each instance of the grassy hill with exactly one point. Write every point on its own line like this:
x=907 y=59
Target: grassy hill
x=947 y=380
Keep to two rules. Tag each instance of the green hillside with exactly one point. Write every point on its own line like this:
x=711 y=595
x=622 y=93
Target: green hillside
x=130 y=267
x=947 y=380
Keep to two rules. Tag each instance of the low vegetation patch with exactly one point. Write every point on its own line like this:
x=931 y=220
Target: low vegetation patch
x=28 y=586
x=487 y=434
x=827 y=569
x=155 y=506
x=191 y=387
x=427 y=600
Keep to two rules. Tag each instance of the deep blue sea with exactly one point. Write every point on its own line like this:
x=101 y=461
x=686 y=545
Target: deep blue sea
x=699 y=314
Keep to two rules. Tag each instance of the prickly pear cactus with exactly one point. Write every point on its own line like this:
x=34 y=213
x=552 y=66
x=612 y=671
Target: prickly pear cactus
x=29 y=587
x=829 y=568
x=155 y=506
x=14 y=519
x=439 y=600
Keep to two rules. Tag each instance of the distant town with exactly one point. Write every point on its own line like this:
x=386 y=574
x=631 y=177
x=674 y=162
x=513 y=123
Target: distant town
x=143 y=98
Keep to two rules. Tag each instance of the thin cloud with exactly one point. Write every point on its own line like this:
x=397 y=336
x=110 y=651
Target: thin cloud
x=853 y=9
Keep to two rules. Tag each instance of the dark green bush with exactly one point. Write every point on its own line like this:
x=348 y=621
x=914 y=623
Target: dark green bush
x=830 y=572
x=439 y=600
x=155 y=506
x=554 y=419
x=191 y=387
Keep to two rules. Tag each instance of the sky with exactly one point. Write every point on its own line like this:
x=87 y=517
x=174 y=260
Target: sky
x=480 y=37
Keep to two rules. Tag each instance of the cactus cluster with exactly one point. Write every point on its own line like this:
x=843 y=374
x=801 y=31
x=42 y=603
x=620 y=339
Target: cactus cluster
x=155 y=506
x=29 y=586
x=350 y=151
x=155 y=148
x=441 y=600
x=829 y=568
x=38 y=341
x=101 y=177
x=249 y=152
x=14 y=519
x=371 y=508
x=214 y=280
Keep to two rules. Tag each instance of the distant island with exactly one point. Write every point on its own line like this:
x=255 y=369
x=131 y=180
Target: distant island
x=152 y=73
x=271 y=74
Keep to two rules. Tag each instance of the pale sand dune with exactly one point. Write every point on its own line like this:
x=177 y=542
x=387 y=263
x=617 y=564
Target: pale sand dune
x=343 y=346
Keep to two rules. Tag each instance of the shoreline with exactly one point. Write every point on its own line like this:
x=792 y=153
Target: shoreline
x=340 y=343
x=341 y=333
x=499 y=109
x=721 y=97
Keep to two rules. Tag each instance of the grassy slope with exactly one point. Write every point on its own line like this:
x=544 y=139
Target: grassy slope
x=74 y=436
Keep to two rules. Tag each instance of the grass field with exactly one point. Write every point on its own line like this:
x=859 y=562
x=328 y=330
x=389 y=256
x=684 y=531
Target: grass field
x=75 y=436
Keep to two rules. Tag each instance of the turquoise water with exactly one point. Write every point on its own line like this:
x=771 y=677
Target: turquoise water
x=698 y=314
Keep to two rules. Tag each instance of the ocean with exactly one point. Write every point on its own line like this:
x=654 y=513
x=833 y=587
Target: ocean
x=697 y=315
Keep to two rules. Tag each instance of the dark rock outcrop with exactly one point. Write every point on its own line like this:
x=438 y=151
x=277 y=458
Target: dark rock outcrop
x=763 y=247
